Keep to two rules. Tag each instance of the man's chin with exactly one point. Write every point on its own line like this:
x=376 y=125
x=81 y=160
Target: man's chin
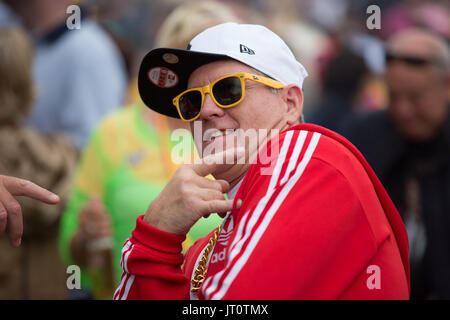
x=417 y=136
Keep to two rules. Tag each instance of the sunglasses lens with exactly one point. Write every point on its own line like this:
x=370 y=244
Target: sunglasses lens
x=227 y=91
x=190 y=104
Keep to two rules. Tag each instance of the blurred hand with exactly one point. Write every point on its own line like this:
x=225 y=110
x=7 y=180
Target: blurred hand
x=10 y=210
x=189 y=196
x=94 y=221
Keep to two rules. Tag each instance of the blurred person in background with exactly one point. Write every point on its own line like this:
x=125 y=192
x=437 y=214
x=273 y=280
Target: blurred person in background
x=343 y=82
x=408 y=146
x=125 y=165
x=289 y=19
x=11 y=221
x=7 y=16
x=132 y=25
x=34 y=270
x=79 y=73
x=432 y=15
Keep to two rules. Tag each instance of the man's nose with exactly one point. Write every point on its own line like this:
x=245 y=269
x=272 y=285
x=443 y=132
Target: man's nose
x=210 y=109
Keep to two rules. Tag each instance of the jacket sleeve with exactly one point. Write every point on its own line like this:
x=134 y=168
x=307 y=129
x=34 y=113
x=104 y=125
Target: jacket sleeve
x=152 y=260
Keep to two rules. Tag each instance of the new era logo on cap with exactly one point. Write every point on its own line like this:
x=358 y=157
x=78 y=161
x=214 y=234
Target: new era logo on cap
x=245 y=49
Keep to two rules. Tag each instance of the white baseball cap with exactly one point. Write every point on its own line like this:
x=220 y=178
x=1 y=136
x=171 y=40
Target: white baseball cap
x=164 y=72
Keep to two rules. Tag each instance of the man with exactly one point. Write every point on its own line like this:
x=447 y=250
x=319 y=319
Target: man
x=316 y=227
x=408 y=146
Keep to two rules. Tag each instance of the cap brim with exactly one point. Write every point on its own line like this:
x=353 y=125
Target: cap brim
x=164 y=74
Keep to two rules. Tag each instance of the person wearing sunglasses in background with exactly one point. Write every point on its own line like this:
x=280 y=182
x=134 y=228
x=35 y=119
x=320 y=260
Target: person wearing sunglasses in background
x=125 y=165
x=305 y=218
x=408 y=146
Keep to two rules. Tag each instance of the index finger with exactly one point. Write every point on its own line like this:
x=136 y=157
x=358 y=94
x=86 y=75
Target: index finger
x=211 y=163
x=22 y=187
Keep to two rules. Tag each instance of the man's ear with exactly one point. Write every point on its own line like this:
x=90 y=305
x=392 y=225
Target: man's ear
x=292 y=95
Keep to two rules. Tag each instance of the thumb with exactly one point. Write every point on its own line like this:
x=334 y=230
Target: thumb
x=96 y=205
x=221 y=207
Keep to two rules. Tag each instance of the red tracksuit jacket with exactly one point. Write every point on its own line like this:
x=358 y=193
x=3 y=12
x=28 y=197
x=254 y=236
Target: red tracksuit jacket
x=319 y=226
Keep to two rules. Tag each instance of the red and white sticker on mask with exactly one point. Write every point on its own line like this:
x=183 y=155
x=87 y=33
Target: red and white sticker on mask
x=163 y=77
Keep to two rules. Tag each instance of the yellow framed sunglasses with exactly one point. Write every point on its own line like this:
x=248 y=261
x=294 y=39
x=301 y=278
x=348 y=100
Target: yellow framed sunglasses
x=226 y=92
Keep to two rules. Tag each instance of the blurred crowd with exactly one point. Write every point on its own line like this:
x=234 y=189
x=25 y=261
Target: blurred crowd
x=71 y=120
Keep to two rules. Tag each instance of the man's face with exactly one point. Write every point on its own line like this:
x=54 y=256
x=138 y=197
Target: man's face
x=260 y=109
x=418 y=100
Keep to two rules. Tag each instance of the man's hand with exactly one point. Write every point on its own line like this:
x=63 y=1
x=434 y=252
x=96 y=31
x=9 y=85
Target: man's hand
x=94 y=221
x=10 y=210
x=189 y=195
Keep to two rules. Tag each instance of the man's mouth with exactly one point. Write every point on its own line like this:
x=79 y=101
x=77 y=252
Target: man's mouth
x=211 y=134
